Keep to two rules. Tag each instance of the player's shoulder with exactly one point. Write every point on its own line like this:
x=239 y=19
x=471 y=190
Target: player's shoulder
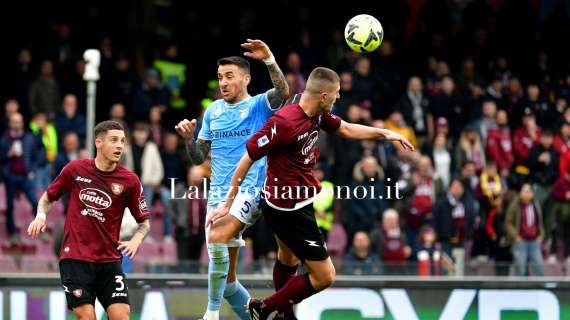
x=121 y=170
x=214 y=106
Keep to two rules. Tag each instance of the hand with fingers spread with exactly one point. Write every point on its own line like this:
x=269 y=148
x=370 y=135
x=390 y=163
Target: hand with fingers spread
x=257 y=49
x=129 y=248
x=36 y=227
x=393 y=136
x=220 y=212
x=186 y=128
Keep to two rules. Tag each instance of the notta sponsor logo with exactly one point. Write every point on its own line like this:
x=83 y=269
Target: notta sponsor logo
x=95 y=199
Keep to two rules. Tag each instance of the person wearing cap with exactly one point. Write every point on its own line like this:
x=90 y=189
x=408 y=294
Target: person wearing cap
x=499 y=146
x=524 y=138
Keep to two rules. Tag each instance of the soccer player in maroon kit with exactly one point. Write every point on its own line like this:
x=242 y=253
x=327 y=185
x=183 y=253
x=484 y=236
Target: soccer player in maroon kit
x=288 y=139
x=90 y=255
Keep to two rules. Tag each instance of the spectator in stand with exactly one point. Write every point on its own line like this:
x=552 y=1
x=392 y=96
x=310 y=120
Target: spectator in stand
x=525 y=232
x=513 y=97
x=324 y=202
x=470 y=148
x=558 y=224
x=423 y=192
x=499 y=144
x=190 y=217
x=495 y=93
x=151 y=94
x=143 y=158
x=11 y=106
x=561 y=141
x=361 y=260
x=44 y=92
x=470 y=82
x=363 y=83
x=118 y=113
x=440 y=155
x=70 y=120
x=539 y=107
x=121 y=83
x=346 y=152
x=414 y=106
x=172 y=160
x=361 y=213
x=453 y=219
x=397 y=124
x=23 y=80
x=488 y=121
x=69 y=151
x=558 y=112
x=447 y=103
x=20 y=154
x=156 y=131
x=543 y=165
x=389 y=241
x=293 y=67
x=44 y=132
x=490 y=188
x=524 y=138
x=347 y=94
x=500 y=251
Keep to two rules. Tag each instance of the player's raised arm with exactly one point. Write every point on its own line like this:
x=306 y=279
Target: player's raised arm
x=260 y=51
x=359 y=132
x=197 y=150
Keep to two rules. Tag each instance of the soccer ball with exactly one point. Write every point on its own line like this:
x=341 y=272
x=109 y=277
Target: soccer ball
x=363 y=33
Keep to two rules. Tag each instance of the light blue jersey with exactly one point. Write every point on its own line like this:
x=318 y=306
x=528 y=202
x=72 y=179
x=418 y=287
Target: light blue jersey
x=228 y=126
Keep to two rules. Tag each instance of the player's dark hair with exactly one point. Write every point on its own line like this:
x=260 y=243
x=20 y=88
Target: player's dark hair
x=240 y=62
x=102 y=127
x=319 y=77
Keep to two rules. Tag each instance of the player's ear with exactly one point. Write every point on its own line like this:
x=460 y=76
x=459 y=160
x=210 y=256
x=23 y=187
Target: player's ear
x=247 y=79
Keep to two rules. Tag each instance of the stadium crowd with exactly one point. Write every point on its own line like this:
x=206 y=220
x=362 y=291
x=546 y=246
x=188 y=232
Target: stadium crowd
x=490 y=180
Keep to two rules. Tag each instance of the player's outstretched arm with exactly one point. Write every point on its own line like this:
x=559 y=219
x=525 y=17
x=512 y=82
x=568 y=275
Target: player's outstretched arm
x=241 y=171
x=197 y=150
x=359 y=132
x=38 y=225
x=260 y=50
x=131 y=247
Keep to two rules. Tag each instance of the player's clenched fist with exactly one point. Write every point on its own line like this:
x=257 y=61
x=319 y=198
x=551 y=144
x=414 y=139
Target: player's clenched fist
x=186 y=128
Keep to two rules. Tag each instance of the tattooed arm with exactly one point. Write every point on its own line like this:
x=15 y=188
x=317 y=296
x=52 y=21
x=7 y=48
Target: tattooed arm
x=260 y=51
x=131 y=247
x=197 y=150
x=39 y=223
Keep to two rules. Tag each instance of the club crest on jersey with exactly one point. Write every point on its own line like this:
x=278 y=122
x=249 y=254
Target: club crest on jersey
x=262 y=141
x=117 y=188
x=78 y=293
x=243 y=113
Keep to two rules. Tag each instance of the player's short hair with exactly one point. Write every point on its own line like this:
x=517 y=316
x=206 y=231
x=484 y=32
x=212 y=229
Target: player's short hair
x=102 y=127
x=240 y=62
x=321 y=79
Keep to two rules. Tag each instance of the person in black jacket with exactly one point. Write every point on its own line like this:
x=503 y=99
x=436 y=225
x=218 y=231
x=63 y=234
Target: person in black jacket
x=543 y=165
x=453 y=218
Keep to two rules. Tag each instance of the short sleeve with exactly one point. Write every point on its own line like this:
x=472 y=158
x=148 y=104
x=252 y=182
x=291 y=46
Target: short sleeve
x=272 y=135
x=61 y=184
x=330 y=122
x=137 y=202
x=205 y=133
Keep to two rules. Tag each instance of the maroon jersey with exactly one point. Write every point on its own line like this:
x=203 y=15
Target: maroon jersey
x=96 y=205
x=288 y=139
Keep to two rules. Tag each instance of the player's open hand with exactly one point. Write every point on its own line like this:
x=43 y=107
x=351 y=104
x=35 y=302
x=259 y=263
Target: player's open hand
x=393 y=136
x=220 y=212
x=257 y=49
x=129 y=248
x=36 y=227
x=186 y=128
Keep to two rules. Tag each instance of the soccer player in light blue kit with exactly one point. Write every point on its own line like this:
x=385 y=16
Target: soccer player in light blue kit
x=226 y=126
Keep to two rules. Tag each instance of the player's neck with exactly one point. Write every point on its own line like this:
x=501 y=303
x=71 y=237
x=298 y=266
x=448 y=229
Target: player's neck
x=309 y=105
x=104 y=164
x=239 y=98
